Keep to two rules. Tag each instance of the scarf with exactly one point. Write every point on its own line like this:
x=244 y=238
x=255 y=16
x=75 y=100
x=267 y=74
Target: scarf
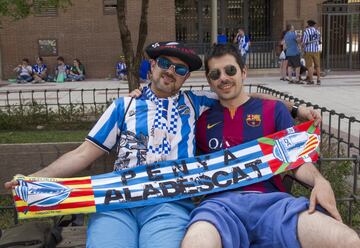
x=164 y=127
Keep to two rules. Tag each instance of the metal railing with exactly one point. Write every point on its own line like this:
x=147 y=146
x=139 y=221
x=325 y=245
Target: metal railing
x=343 y=143
x=262 y=53
x=342 y=130
x=84 y=98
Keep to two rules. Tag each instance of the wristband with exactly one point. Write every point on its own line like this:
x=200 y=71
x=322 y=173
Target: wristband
x=294 y=111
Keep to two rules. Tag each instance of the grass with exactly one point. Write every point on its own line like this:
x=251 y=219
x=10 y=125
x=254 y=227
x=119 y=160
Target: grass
x=6 y=215
x=43 y=136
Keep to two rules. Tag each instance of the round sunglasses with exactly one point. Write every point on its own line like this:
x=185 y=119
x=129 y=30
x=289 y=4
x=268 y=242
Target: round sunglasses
x=165 y=64
x=229 y=70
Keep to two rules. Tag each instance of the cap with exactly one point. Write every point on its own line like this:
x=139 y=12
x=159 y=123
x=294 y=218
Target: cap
x=175 y=49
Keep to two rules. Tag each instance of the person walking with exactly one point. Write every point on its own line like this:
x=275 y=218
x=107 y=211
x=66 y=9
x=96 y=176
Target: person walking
x=311 y=41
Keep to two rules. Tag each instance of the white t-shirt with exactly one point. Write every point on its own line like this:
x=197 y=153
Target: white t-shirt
x=25 y=70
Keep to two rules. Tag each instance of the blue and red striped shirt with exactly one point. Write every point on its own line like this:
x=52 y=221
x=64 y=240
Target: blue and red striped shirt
x=218 y=128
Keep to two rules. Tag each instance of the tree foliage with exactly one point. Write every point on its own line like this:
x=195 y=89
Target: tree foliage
x=19 y=9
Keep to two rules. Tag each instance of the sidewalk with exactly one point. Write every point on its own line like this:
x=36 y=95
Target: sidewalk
x=339 y=91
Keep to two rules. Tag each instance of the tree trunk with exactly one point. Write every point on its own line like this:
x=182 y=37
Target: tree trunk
x=132 y=61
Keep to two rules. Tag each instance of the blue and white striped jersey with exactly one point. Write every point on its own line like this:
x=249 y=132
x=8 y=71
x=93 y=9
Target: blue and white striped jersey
x=38 y=69
x=311 y=39
x=131 y=135
x=243 y=44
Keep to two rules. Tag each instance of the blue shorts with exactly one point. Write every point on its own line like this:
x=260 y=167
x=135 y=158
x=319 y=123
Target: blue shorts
x=253 y=219
x=161 y=225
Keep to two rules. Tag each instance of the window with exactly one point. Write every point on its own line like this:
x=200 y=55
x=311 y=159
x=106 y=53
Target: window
x=48 y=47
x=41 y=8
x=110 y=7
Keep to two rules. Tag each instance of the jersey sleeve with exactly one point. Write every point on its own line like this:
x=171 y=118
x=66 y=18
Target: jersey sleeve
x=305 y=37
x=105 y=132
x=202 y=100
x=283 y=119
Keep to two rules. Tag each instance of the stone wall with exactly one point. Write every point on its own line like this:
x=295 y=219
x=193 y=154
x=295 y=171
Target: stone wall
x=83 y=31
x=28 y=158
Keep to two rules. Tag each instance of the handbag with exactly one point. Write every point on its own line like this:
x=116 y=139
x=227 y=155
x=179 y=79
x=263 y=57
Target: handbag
x=282 y=55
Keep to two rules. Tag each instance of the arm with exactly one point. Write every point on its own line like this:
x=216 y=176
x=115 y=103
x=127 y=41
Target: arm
x=68 y=164
x=80 y=70
x=303 y=113
x=44 y=72
x=17 y=68
x=321 y=193
x=235 y=39
x=29 y=69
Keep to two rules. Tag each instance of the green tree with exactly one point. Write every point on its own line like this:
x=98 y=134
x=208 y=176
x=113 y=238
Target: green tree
x=18 y=9
x=132 y=58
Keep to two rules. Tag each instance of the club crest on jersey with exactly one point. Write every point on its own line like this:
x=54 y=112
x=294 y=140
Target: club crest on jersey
x=253 y=120
x=42 y=194
x=183 y=110
x=293 y=146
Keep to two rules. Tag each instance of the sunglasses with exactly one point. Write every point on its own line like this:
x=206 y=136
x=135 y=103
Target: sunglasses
x=215 y=74
x=165 y=64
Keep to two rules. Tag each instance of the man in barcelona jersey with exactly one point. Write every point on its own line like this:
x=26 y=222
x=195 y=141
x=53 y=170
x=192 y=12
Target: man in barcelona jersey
x=159 y=125
x=261 y=214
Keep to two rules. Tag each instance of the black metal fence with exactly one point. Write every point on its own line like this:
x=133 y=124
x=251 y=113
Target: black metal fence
x=84 y=98
x=342 y=136
x=342 y=130
x=340 y=24
x=262 y=53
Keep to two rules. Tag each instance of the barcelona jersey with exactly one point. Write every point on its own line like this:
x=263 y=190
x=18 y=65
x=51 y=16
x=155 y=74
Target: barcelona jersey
x=219 y=128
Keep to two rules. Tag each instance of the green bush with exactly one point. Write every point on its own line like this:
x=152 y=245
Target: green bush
x=30 y=116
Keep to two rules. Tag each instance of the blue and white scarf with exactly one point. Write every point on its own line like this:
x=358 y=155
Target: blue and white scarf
x=164 y=127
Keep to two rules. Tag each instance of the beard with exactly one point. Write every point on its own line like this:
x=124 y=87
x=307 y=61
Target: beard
x=165 y=83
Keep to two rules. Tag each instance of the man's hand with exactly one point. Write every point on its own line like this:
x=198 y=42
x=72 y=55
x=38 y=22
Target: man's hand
x=11 y=184
x=135 y=93
x=308 y=114
x=323 y=195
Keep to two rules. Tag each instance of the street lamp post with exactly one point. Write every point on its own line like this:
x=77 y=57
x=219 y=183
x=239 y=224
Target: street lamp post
x=214 y=24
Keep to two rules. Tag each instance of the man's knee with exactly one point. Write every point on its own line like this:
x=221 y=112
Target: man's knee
x=201 y=234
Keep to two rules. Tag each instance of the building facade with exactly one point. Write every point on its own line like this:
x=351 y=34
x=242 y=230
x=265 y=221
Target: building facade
x=88 y=29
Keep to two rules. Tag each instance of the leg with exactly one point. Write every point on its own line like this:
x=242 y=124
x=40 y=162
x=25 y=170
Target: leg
x=317 y=66
x=290 y=70
x=163 y=225
x=112 y=229
x=318 y=73
x=309 y=65
x=202 y=234
x=285 y=65
x=297 y=73
x=310 y=73
x=215 y=223
x=320 y=230
x=37 y=78
x=281 y=69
